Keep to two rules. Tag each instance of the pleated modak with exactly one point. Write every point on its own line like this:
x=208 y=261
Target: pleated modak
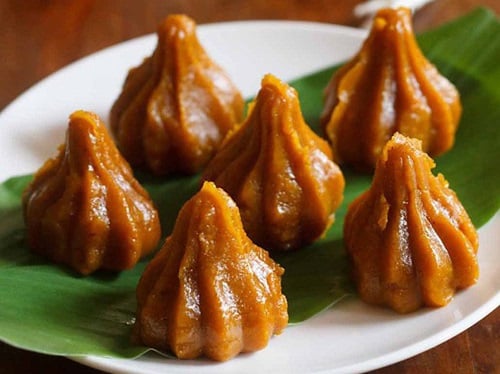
x=209 y=291
x=388 y=86
x=84 y=208
x=409 y=238
x=176 y=107
x=279 y=172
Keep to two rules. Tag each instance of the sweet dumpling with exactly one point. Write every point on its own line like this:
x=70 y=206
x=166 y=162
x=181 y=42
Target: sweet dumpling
x=176 y=107
x=279 y=172
x=409 y=238
x=388 y=86
x=209 y=290
x=84 y=208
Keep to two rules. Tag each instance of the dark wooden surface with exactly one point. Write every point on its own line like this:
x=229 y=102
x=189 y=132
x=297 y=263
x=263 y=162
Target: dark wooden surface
x=38 y=37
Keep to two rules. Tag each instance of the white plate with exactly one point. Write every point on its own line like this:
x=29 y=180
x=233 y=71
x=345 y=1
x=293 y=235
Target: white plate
x=350 y=337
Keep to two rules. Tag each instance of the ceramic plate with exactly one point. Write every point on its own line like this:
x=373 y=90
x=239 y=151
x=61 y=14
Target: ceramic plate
x=349 y=337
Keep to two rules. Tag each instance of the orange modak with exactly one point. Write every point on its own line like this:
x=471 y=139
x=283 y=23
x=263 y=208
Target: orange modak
x=409 y=238
x=84 y=208
x=209 y=290
x=176 y=107
x=388 y=86
x=279 y=172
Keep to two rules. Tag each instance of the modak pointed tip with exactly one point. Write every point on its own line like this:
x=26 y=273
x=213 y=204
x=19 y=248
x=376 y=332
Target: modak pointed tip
x=84 y=124
x=81 y=114
x=408 y=145
x=278 y=87
x=177 y=26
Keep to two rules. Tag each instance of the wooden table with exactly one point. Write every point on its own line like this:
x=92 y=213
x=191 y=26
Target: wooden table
x=39 y=37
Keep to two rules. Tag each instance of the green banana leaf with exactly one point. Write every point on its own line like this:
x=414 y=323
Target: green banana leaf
x=50 y=309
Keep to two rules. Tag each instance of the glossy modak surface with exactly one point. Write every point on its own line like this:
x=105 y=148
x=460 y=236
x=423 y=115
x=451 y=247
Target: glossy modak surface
x=176 y=107
x=210 y=291
x=388 y=86
x=409 y=238
x=84 y=208
x=279 y=172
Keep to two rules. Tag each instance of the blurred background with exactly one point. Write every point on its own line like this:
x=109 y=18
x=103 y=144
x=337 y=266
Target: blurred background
x=38 y=37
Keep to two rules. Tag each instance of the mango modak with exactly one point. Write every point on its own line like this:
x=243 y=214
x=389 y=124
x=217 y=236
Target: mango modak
x=209 y=290
x=388 y=86
x=176 y=107
x=84 y=208
x=279 y=172
x=410 y=240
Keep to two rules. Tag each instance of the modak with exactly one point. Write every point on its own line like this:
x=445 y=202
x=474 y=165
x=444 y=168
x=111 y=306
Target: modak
x=176 y=107
x=209 y=290
x=410 y=240
x=84 y=208
x=388 y=86
x=279 y=172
